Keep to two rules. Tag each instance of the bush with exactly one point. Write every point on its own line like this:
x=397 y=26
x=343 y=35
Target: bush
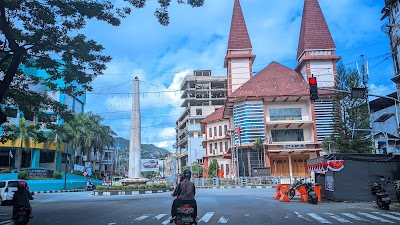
x=78 y=173
x=22 y=175
x=162 y=185
x=56 y=175
x=142 y=186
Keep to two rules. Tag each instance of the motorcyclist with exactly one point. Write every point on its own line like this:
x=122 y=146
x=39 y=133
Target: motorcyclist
x=185 y=193
x=21 y=198
x=89 y=185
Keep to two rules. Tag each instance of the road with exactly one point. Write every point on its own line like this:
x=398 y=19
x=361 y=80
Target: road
x=216 y=206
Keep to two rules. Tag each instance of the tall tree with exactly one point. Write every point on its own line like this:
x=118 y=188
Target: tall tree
x=32 y=32
x=58 y=136
x=24 y=134
x=349 y=114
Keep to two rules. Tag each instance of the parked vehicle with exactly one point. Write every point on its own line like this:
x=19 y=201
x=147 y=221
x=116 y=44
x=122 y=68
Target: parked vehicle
x=296 y=184
x=6 y=191
x=397 y=182
x=378 y=189
x=185 y=215
x=312 y=195
x=22 y=216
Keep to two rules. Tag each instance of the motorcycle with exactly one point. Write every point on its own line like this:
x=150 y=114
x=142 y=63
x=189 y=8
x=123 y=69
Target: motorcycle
x=397 y=182
x=292 y=189
x=378 y=190
x=312 y=195
x=185 y=215
x=22 y=216
x=91 y=188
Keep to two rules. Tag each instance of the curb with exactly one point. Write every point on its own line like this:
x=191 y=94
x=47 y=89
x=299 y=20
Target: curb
x=108 y=193
x=58 y=191
x=234 y=187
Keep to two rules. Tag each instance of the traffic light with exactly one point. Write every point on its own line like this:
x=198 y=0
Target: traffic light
x=313 y=88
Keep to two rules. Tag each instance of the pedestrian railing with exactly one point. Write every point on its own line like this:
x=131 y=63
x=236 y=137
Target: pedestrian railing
x=242 y=181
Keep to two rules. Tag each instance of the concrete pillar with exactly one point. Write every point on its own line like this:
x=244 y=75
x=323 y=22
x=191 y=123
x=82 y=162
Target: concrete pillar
x=135 y=135
x=290 y=167
x=35 y=158
x=58 y=161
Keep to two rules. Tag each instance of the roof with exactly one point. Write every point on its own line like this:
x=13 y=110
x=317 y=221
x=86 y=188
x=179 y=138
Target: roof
x=314 y=32
x=238 y=36
x=215 y=116
x=382 y=103
x=275 y=80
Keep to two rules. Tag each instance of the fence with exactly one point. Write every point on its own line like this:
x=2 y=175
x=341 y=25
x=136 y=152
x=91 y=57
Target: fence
x=246 y=181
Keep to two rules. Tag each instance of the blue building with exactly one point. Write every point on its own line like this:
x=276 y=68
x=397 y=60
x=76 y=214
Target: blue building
x=40 y=155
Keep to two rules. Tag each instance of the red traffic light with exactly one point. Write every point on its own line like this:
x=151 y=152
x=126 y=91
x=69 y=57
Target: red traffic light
x=312 y=80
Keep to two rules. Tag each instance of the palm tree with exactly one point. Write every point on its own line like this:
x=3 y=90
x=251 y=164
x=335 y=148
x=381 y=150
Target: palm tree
x=24 y=133
x=57 y=135
x=104 y=139
x=258 y=145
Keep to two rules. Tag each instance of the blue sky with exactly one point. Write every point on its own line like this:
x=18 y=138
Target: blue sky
x=197 y=39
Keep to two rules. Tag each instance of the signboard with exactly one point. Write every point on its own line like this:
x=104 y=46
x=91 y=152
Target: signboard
x=329 y=184
x=38 y=173
x=149 y=165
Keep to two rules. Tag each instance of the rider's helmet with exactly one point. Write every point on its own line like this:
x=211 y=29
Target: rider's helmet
x=187 y=174
x=21 y=184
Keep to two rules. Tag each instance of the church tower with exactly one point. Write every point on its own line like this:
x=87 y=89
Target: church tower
x=239 y=58
x=316 y=57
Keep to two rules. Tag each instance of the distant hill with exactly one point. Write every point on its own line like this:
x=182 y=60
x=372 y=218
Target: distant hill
x=149 y=151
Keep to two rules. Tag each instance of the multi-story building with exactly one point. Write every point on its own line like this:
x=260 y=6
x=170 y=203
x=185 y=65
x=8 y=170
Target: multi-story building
x=202 y=95
x=275 y=104
x=40 y=155
x=170 y=167
x=217 y=142
x=385 y=125
x=391 y=11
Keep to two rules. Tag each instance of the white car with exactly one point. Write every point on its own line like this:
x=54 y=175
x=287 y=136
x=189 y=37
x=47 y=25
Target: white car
x=7 y=188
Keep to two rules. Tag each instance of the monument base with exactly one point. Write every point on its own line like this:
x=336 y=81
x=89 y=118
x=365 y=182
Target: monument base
x=134 y=181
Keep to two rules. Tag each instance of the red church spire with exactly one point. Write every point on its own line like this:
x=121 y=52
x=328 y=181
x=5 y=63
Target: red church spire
x=238 y=36
x=314 y=33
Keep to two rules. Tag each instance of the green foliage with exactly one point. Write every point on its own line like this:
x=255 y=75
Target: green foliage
x=213 y=169
x=22 y=175
x=78 y=173
x=56 y=175
x=32 y=31
x=197 y=169
x=258 y=144
x=149 y=174
x=142 y=186
x=349 y=114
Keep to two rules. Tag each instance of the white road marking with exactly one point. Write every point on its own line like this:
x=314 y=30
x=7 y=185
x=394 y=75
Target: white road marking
x=338 y=218
x=223 y=220
x=159 y=216
x=376 y=218
x=111 y=223
x=318 y=218
x=354 y=217
x=206 y=217
x=165 y=222
x=388 y=215
x=301 y=217
x=7 y=222
x=395 y=213
x=142 y=217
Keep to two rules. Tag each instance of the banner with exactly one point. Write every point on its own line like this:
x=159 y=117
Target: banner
x=333 y=165
x=149 y=165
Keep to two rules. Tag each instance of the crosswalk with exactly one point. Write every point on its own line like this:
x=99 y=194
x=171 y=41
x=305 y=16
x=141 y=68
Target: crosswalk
x=381 y=217
x=378 y=217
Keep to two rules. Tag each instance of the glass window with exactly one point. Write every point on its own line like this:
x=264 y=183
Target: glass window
x=12 y=183
x=220 y=130
x=226 y=146
x=209 y=132
x=225 y=129
x=47 y=156
x=287 y=135
x=2 y=184
x=216 y=146
x=210 y=148
x=285 y=114
x=199 y=112
x=215 y=131
x=227 y=169
x=220 y=147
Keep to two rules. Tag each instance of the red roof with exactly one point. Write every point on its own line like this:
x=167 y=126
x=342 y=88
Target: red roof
x=275 y=80
x=238 y=36
x=215 y=116
x=314 y=32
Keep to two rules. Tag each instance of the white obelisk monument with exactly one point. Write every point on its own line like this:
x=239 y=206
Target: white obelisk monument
x=134 y=170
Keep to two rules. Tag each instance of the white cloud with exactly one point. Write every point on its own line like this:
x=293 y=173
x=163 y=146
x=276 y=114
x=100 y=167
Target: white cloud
x=197 y=39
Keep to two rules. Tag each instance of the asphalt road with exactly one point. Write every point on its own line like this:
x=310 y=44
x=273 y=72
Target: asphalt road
x=216 y=206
